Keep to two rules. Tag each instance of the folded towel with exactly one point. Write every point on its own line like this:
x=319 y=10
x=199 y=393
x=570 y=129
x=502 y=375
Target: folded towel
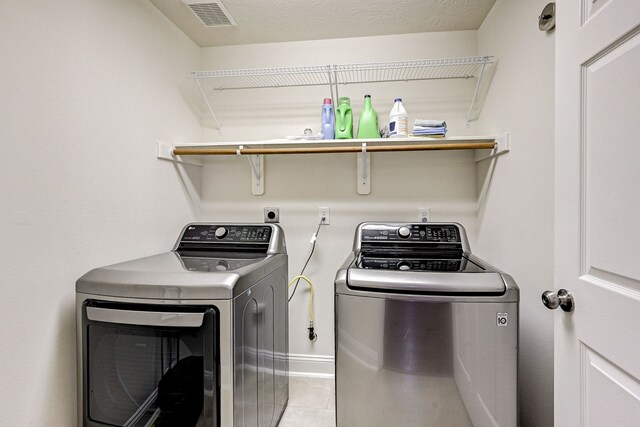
x=430 y=123
x=439 y=135
x=429 y=134
x=429 y=127
x=429 y=130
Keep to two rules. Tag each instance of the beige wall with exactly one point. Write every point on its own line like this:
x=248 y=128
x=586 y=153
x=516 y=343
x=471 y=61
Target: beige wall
x=515 y=220
x=87 y=87
x=298 y=185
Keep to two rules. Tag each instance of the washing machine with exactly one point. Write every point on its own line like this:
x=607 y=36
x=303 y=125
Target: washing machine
x=426 y=332
x=196 y=336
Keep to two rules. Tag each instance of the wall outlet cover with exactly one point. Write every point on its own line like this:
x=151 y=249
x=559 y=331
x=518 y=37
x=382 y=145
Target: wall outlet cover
x=271 y=215
x=324 y=212
x=424 y=214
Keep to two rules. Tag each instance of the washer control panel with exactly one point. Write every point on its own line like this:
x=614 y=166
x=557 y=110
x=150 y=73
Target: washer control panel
x=227 y=233
x=411 y=264
x=430 y=233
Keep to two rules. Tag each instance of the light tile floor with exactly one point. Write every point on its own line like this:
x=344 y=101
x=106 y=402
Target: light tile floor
x=311 y=403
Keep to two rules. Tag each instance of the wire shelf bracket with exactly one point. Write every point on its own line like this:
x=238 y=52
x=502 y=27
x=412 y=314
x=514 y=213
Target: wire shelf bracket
x=206 y=100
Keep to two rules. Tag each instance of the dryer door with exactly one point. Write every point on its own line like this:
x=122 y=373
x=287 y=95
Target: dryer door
x=149 y=365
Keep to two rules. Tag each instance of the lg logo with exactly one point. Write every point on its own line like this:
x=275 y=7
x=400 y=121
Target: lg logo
x=502 y=319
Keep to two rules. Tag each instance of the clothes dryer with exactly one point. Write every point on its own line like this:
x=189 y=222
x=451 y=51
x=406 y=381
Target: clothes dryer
x=196 y=336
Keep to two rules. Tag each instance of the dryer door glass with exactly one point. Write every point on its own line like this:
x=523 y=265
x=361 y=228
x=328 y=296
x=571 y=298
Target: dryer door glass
x=146 y=366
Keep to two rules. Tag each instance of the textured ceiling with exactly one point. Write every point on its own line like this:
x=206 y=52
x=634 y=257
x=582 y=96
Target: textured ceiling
x=266 y=21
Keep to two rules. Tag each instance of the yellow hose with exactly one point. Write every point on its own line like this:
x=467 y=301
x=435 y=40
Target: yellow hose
x=306 y=279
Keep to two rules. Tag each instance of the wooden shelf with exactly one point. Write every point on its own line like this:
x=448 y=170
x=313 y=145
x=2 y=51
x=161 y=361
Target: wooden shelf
x=274 y=147
x=255 y=151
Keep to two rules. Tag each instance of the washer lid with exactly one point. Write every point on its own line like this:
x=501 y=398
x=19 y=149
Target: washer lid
x=422 y=282
x=438 y=262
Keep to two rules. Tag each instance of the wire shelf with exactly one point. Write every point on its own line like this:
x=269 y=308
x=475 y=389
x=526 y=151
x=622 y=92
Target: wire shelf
x=254 y=78
x=335 y=75
x=426 y=69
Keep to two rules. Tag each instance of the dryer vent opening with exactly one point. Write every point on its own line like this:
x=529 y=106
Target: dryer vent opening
x=211 y=13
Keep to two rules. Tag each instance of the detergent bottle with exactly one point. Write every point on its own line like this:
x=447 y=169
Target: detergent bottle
x=368 y=123
x=328 y=119
x=344 y=119
x=398 y=122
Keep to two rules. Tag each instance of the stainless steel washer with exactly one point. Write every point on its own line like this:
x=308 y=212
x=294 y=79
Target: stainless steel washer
x=192 y=337
x=426 y=333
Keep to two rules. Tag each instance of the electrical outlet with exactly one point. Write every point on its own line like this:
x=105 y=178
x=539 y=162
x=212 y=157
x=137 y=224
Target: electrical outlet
x=271 y=215
x=424 y=214
x=326 y=214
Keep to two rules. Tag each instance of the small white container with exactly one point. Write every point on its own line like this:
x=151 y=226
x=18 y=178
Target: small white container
x=398 y=121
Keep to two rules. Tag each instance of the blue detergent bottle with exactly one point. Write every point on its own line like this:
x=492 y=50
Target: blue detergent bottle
x=328 y=119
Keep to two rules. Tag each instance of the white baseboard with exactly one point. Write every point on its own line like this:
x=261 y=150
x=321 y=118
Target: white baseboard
x=309 y=365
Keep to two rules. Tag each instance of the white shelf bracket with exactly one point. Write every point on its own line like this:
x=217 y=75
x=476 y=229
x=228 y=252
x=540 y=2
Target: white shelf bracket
x=256 y=169
x=364 y=171
x=165 y=152
x=257 y=172
x=503 y=147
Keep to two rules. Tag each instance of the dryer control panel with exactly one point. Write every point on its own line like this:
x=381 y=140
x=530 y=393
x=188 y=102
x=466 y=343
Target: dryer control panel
x=227 y=233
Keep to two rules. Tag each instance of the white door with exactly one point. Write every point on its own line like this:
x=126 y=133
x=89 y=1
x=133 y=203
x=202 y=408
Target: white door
x=597 y=228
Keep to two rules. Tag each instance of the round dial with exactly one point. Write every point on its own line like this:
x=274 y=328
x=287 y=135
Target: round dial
x=221 y=232
x=404 y=266
x=404 y=232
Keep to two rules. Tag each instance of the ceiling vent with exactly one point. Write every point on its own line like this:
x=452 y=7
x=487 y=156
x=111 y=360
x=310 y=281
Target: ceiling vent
x=211 y=13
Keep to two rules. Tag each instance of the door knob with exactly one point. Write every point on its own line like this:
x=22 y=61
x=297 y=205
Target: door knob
x=562 y=299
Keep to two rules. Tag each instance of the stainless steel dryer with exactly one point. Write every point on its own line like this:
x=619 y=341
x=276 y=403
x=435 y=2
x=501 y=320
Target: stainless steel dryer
x=426 y=333
x=192 y=337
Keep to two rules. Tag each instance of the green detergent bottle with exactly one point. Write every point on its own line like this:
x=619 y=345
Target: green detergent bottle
x=344 y=119
x=368 y=123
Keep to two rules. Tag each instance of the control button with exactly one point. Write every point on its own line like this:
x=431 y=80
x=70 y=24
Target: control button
x=221 y=233
x=404 y=232
x=404 y=266
x=222 y=265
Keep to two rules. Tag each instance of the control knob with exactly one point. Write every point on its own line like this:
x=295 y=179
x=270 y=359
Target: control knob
x=221 y=232
x=404 y=232
x=404 y=266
